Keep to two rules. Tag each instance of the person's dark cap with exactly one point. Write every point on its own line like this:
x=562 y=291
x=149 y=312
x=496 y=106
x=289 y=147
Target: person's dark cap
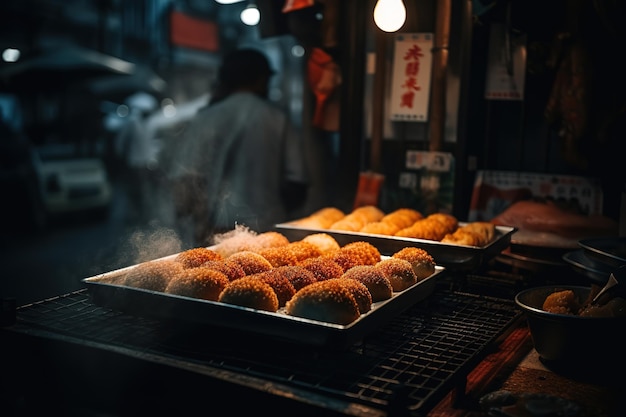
x=242 y=65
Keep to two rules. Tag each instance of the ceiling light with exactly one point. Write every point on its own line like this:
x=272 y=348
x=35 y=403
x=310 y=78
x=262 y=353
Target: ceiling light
x=251 y=15
x=389 y=15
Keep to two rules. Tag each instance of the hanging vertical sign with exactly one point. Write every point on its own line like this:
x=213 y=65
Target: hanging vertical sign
x=506 y=65
x=412 y=68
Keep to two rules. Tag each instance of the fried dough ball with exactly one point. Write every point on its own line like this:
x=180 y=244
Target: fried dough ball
x=562 y=302
x=449 y=221
x=399 y=272
x=194 y=257
x=278 y=256
x=367 y=253
x=360 y=293
x=323 y=268
x=463 y=237
x=380 y=228
x=298 y=276
x=373 y=278
x=238 y=240
x=350 y=223
x=345 y=259
x=269 y=239
x=199 y=282
x=152 y=275
x=251 y=262
x=422 y=262
x=403 y=217
x=486 y=231
x=323 y=241
x=230 y=268
x=303 y=250
x=427 y=228
x=281 y=285
x=370 y=213
x=321 y=219
x=328 y=301
x=251 y=292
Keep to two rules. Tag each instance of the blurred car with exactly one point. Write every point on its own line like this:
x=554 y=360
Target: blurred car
x=69 y=183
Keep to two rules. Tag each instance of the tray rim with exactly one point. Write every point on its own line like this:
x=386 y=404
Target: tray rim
x=591 y=246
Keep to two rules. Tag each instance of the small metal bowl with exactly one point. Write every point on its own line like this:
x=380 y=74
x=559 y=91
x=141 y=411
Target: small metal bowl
x=569 y=339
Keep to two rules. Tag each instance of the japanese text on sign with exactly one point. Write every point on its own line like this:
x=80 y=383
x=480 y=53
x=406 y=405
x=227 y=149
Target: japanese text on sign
x=411 y=77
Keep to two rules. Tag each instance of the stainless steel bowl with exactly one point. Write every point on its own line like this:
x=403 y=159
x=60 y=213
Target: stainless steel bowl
x=569 y=339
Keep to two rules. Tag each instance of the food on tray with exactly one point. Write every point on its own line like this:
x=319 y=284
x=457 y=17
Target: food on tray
x=324 y=242
x=402 y=217
x=365 y=252
x=349 y=223
x=251 y=262
x=191 y=258
x=199 y=282
x=399 y=272
x=327 y=301
x=152 y=275
x=278 y=256
x=303 y=250
x=432 y=227
x=321 y=219
x=368 y=213
x=269 y=239
x=360 y=293
x=472 y=234
x=373 y=278
x=299 y=276
x=243 y=239
x=422 y=262
x=345 y=259
x=380 y=228
x=281 y=285
x=252 y=292
x=561 y=302
x=228 y=267
x=323 y=268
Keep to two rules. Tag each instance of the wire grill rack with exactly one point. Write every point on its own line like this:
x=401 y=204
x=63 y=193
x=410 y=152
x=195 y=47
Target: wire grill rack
x=412 y=362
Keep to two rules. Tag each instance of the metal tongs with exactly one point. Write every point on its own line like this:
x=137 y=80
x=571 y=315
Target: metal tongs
x=611 y=283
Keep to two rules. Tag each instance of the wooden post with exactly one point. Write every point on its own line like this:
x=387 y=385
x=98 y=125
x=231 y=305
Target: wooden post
x=440 y=64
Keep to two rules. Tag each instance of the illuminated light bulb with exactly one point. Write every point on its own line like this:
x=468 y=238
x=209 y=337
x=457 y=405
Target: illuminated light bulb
x=250 y=15
x=389 y=15
x=228 y=1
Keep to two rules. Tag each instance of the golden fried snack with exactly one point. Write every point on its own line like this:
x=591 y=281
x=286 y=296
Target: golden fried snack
x=199 y=282
x=269 y=239
x=562 y=302
x=299 y=276
x=251 y=262
x=350 y=223
x=402 y=217
x=449 y=222
x=427 y=228
x=283 y=288
x=324 y=242
x=463 y=237
x=486 y=230
x=230 y=268
x=192 y=258
x=373 y=278
x=278 y=256
x=365 y=252
x=251 y=292
x=323 y=268
x=360 y=293
x=321 y=219
x=303 y=250
x=345 y=259
x=152 y=275
x=328 y=301
x=380 y=228
x=422 y=262
x=399 y=272
x=369 y=213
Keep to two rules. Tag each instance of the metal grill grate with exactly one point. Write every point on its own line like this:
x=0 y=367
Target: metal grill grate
x=416 y=358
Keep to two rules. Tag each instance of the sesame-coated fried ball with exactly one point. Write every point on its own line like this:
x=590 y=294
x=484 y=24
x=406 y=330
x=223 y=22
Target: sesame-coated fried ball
x=326 y=301
x=230 y=268
x=199 y=282
x=283 y=288
x=298 y=276
x=270 y=239
x=251 y=262
x=250 y=292
x=323 y=241
x=152 y=275
x=323 y=268
x=367 y=253
x=399 y=272
x=192 y=258
x=303 y=250
x=278 y=256
x=374 y=279
x=422 y=262
x=360 y=292
x=344 y=259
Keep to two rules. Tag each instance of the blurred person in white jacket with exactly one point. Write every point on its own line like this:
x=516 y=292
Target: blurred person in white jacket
x=240 y=161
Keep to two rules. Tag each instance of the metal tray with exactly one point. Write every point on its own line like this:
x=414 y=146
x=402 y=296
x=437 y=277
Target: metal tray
x=185 y=310
x=451 y=256
x=598 y=272
x=608 y=250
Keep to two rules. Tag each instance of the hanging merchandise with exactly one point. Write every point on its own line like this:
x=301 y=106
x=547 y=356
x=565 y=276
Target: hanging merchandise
x=324 y=78
x=506 y=66
x=411 y=77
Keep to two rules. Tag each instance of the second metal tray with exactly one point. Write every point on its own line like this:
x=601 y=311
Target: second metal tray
x=451 y=256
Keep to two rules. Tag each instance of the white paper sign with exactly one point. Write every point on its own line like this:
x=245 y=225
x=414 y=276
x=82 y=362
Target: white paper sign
x=506 y=67
x=412 y=68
